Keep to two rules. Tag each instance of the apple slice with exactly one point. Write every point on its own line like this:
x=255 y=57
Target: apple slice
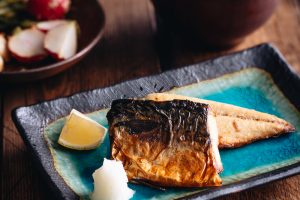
x=45 y=26
x=61 y=41
x=27 y=46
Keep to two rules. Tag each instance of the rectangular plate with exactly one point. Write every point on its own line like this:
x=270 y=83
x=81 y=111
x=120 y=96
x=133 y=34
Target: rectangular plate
x=260 y=66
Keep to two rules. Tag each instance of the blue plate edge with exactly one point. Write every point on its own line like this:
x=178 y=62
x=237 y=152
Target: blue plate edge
x=252 y=182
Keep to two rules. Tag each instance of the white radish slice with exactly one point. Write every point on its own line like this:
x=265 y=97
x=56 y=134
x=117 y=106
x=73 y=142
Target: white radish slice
x=61 y=41
x=27 y=46
x=45 y=26
x=110 y=182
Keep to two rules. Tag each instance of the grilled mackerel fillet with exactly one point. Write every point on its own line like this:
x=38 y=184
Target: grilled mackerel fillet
x=236 y=126
x=171 y=143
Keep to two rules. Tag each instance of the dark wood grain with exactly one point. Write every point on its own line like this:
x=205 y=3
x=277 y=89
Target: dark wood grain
x=1 y=136
x=284 y=189
x=129 y=50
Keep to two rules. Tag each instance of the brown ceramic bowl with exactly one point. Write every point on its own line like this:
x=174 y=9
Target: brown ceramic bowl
x=90 y=17
x=217 y=23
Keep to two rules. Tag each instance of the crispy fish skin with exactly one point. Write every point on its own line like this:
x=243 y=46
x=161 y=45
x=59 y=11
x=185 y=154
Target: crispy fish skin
x=236 y=126
x=164 y=143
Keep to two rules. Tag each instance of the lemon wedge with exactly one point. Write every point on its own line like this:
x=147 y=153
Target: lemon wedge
x=81 y=132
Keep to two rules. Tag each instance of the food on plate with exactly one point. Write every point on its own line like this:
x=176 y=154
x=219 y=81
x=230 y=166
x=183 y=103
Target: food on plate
x=45 y=26
x=56 y=38
x=27 y=46
x=61 y=41
x=31 y=40
x=48 y=9
x=110 y=182
x=170 y=143
x=236 y=126
x=81 y=132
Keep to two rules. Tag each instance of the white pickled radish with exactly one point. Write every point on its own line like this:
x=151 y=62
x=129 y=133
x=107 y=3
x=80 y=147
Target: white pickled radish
x=110 y=182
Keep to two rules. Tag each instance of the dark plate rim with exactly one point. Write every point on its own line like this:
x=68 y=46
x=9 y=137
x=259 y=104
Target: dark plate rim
x=77 y=56
x=248 y=183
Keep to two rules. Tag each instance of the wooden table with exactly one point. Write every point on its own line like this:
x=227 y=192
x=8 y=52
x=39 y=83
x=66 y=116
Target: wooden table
x=131 y=48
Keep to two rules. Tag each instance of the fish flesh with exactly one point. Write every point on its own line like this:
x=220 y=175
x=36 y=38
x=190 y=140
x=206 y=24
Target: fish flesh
x=169 y=143
x=236 y=126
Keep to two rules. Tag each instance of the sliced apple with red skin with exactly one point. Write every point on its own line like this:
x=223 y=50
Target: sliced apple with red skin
x=61 y=41
x=27 y=46
x=46 y=26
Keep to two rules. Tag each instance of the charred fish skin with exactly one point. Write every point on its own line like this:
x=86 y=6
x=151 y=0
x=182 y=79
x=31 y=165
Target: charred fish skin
x=237 y=126
x=164 y=143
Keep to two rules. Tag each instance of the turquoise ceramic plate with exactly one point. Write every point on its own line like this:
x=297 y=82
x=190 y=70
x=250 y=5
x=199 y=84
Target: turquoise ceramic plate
x=237 y=82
